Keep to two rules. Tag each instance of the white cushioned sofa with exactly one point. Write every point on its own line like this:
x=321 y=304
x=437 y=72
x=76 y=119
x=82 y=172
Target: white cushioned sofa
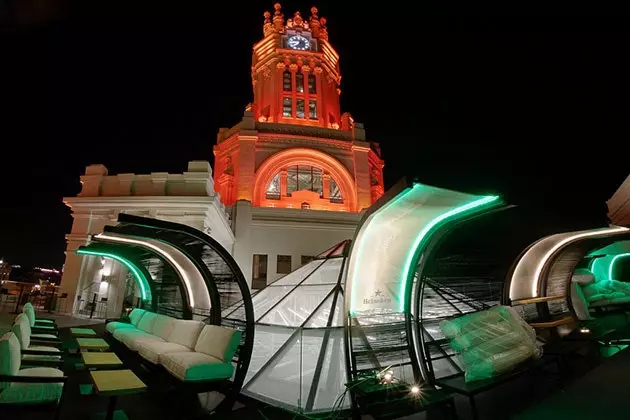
x=189 y=350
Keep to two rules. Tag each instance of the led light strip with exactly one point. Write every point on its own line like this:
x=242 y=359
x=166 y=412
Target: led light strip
x=142 y=281
x=612 y=264
x=166 y=255
x=425 y=231
x=562 y=243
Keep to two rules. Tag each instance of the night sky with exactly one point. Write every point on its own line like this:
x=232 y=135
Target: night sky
x=531 y=105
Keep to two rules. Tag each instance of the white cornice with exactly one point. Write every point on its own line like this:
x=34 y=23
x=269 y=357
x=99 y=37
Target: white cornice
x=144 y=202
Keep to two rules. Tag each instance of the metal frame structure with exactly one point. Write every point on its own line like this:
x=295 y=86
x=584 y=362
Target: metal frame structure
x=408 y=224
x=140 y=239
x=540 y=278
x=299 y=327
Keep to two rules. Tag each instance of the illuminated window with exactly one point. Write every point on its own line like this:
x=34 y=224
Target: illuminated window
x=299 y=82
x=299 y=108
x=287 y=107
x=312 y=85
x=283 y=264
x=335 y=192
x=273 y=189
x=312 y=110
x=286 y=81
x=304 y=178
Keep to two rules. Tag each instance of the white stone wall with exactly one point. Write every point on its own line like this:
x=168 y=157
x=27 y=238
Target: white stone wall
x=294 y=232
x=187 y=198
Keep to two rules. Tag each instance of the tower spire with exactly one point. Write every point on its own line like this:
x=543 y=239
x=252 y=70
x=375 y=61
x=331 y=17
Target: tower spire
x=278 y=18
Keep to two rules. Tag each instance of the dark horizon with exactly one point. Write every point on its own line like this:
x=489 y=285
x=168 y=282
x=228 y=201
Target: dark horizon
x=526 y=105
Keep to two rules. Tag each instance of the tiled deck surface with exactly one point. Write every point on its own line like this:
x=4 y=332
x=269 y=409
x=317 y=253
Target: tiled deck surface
x=527 y=393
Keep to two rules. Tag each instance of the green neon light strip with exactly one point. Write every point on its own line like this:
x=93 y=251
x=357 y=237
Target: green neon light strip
x=612 y=264
x=145 y=290
x=426 y=233
x=362 y=242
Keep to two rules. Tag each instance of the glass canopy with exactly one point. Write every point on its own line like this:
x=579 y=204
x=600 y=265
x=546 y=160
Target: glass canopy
x=298 y=361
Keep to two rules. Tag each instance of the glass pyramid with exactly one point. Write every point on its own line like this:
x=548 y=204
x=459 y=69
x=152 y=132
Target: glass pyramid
x=298 y=357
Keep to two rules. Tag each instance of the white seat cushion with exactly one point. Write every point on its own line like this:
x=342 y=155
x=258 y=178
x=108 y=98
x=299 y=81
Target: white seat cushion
x=135 y=316
x=52 y=336
x=193 y=366
x=151 y=350
x=45 y=348
x=113 y=326
x=22 y=330
x=133 y=337
x=185 y=332
x=163 y=326
x=29 y=310
x=218 y=342
x=45 y=321
x=147 y=321
x=34 y=393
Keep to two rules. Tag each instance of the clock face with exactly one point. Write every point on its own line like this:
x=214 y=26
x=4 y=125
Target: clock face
x=298 y=42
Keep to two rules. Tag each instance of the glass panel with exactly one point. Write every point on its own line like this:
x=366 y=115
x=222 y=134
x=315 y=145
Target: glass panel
x=267 y=341
x=263 y=301
x=339 y=308
x=312 y=85
x=312 y=110
x=298 y=275
x=294 y=310
x=328 y=273
x=287 y=107
x=320 y=318
x=299 y=82
x=292 y=179
x=335 y=192
x=280 y=381
x=286 y=81
x=317 y=182
x=333 y=375
x=273 y=189
x=299 y=108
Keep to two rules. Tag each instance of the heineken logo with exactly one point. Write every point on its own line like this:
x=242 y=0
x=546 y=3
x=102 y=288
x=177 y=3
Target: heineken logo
x=377 y=298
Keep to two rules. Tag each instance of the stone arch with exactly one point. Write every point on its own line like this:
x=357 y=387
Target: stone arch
x=305 y=156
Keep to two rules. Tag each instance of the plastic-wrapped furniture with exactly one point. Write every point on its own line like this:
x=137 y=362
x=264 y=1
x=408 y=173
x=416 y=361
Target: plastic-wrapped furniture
x=23 y=389
x=494 y=346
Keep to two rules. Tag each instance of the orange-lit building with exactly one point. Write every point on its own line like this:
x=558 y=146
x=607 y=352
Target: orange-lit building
x=294 y=148
x=289 y=180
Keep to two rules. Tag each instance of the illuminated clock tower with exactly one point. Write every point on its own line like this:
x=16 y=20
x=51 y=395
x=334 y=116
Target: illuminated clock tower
x=294 y=148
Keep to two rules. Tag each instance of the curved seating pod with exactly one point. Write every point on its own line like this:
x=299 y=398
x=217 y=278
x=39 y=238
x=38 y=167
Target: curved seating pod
x=197 y=293
x=385 y=297
x=552 y=272
x=212 y=281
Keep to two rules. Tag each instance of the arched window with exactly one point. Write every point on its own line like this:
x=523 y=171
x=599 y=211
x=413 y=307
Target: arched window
x=304 y=178
x=286 y=81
